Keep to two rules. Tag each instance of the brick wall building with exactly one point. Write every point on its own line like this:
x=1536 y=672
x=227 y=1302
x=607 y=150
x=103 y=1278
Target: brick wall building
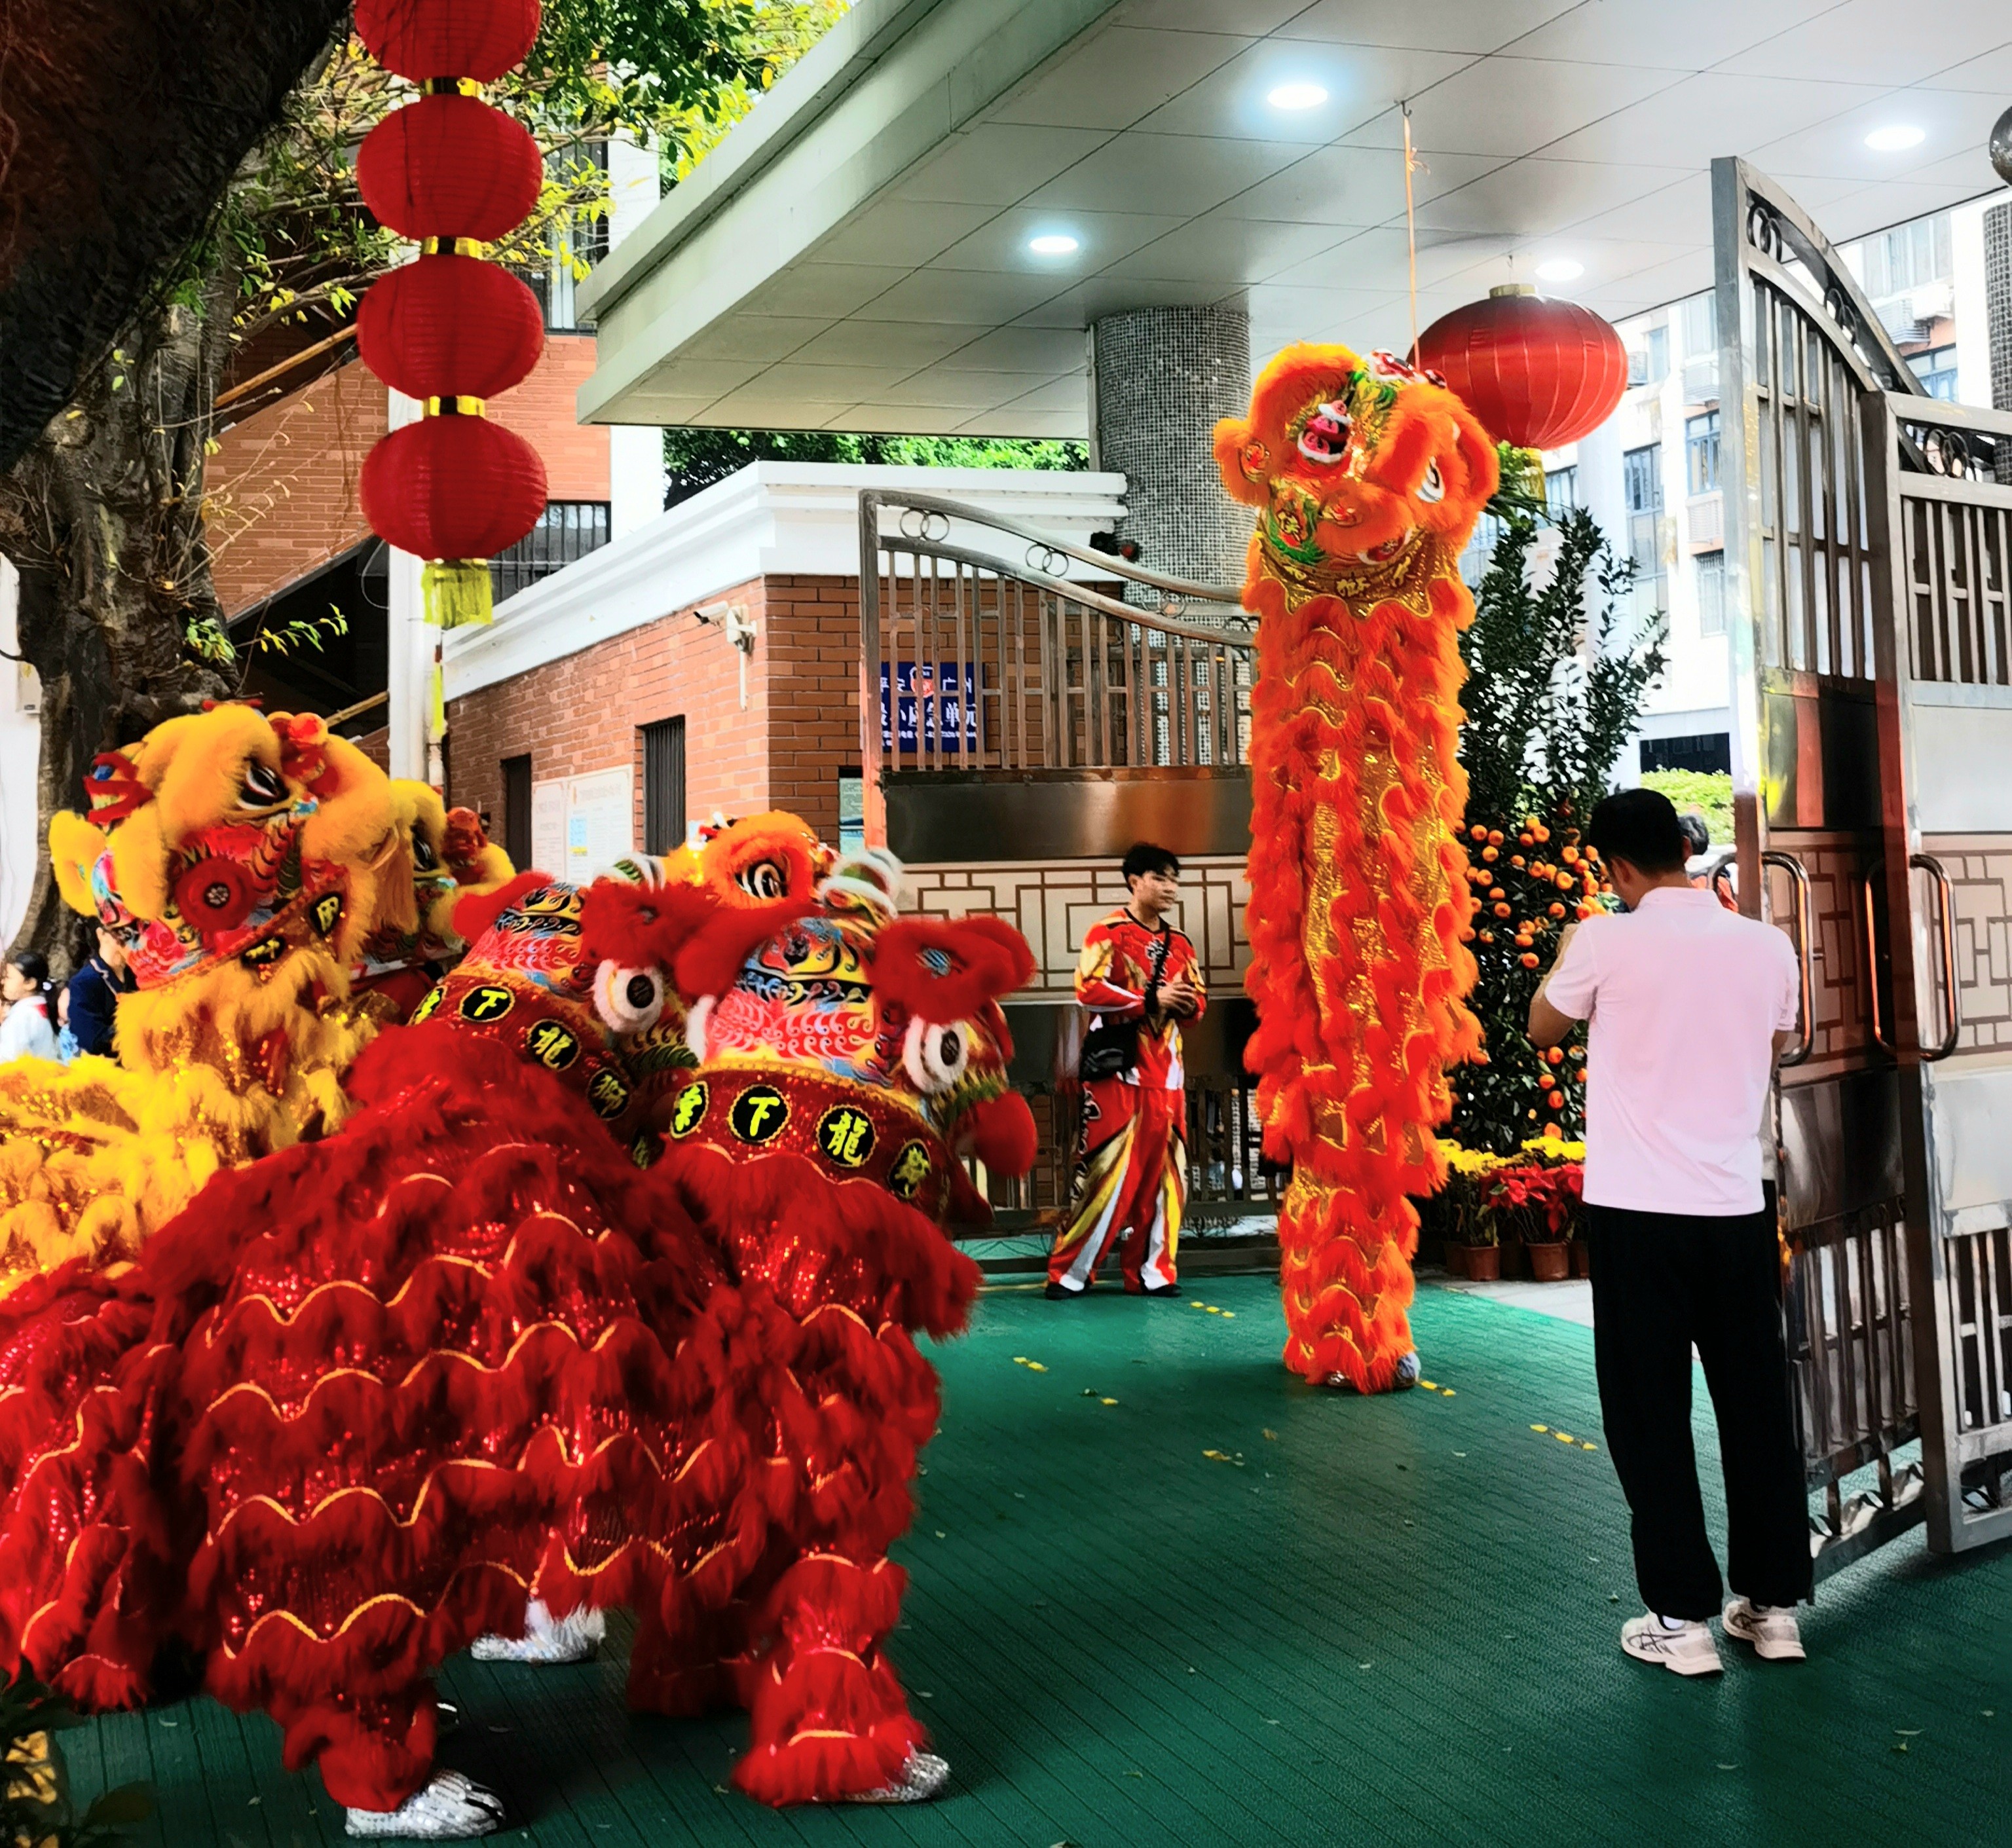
x=574 y=669
x=281 y=490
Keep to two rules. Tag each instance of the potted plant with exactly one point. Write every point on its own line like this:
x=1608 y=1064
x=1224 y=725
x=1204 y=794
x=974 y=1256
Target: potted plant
x=1568 y=1160
x=1535 y=1202
x=1471 y=1250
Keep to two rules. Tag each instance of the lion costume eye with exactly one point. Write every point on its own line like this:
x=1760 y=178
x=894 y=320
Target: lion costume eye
x=936 y=1057
x=423 y=856
x=764 y=880
x=628 y=1000
x=261 y=787
x=1432 y=491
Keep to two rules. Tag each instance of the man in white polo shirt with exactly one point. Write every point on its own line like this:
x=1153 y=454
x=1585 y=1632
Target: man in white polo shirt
x=1690 y=1004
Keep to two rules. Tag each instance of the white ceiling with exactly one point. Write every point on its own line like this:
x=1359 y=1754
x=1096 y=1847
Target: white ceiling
x=1580 y=129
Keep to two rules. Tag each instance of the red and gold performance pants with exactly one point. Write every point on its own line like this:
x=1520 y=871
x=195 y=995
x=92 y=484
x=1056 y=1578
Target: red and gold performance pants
x=1131 y=1185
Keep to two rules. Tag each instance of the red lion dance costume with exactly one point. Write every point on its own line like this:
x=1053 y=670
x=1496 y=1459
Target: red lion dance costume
x=1369 y=478
x=368 y=1400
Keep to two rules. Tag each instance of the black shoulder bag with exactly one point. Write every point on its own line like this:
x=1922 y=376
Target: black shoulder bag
x=1111 y=1048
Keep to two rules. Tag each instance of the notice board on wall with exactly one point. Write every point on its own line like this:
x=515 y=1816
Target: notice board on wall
x=581 y=824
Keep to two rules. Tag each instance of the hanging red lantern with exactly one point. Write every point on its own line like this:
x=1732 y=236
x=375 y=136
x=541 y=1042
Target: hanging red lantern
x=449 y=326
x=452 y=488
x=449 y=166
x=422 y=39
x=1538 y=374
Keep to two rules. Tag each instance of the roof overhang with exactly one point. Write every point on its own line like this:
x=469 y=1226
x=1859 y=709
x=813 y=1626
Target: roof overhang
x=854 y=255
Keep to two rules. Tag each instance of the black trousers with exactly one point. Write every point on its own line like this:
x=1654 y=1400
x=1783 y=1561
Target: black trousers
x=1662 y=1282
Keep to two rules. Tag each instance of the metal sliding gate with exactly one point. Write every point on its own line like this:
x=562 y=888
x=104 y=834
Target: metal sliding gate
x=1869 y=556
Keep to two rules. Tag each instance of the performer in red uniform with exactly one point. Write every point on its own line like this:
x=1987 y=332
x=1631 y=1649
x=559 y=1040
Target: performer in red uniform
x=1141 y=979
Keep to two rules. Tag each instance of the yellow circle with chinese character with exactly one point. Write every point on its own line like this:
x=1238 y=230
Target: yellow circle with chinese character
x=327 y=912
x=910 y=1170
x=553 y=1046
x=486 y=1003
x=759 y=1113
x=430 y=1005
x=607 y=1092
x=846 y=1136
x=688 y=1111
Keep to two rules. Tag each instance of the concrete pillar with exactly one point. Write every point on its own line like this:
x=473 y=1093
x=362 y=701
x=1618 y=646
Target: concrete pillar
x=1998 y=316
x=1160 y=378
x=413 y=749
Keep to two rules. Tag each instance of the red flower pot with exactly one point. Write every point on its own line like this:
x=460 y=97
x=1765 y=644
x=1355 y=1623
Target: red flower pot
x=1484 y=1263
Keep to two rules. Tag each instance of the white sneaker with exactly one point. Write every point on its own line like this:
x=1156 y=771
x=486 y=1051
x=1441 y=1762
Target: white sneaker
x=547 y=1639
x=451 y=1808
x=1769 y=1628
x=1687 y=1651
x=923 y=1775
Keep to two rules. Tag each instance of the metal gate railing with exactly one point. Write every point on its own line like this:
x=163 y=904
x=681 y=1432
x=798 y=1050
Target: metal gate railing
x=1868 y=547
x=975 y=663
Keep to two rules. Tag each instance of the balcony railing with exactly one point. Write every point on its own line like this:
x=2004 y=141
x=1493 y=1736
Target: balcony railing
x=986 y=645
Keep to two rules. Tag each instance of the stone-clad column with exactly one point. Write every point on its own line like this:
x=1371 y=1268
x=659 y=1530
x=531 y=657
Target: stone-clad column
x=1160 y=379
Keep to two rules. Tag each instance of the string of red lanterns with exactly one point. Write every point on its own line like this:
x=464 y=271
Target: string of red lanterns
x=452 y=173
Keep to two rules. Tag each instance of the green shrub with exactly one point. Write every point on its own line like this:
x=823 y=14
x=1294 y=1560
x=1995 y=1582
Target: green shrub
x=1709 y=792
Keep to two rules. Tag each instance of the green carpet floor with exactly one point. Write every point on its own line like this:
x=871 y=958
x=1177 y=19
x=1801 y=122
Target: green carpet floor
x=1227 y=1609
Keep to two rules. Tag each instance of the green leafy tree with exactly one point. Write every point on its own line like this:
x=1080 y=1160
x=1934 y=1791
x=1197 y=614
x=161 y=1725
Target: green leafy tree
x=108 y=517
x=694 y=459
x=1556 y=684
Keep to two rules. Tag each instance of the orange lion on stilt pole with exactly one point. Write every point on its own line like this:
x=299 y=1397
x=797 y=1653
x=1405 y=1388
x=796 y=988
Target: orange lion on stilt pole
x=1368 y=477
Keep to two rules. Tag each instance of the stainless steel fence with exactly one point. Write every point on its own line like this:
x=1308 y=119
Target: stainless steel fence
x=977 y=659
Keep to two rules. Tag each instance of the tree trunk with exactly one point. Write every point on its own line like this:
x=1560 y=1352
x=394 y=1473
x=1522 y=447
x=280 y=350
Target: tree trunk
x=103 y=519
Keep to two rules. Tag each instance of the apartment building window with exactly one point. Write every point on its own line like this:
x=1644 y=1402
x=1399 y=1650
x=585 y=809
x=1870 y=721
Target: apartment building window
x=1936 y=369
x=1700 y=315
x=1701 y=453
x=1642 y=480
x=1909 y=257
x=1560 y=491
x=575 y=237
x=1707 y=751
x=1700 y=324
x=566 y=530
x=1711 y=593
x=1649 y=364
x=851 y=812
x=517 y=810
x=663 y=785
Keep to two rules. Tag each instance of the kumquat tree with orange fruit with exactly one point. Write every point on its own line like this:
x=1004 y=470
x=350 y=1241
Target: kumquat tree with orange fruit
x=1558 y=667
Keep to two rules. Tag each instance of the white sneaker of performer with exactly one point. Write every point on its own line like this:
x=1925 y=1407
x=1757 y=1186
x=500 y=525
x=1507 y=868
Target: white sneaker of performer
x=451 y=1808
x=1769 y=1628
x=547 y=1639
x=1685 y=1649
x=923 y=1775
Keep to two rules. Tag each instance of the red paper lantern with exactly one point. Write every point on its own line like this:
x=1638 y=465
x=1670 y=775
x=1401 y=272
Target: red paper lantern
x=1538 y=374
x=421 y=39
x=449 y=166
x=450 y=326
x=452 y=488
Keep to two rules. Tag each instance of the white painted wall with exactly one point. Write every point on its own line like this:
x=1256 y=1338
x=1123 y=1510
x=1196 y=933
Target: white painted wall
x=771 y=516
x=635 y=451
x=20 y=752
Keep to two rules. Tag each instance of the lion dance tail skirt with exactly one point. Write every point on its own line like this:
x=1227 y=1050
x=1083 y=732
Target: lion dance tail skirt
x=1368 y=477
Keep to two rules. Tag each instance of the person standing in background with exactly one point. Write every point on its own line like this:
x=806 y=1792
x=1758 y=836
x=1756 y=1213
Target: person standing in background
x=1139 y=977
x=29 y=1031
x=93 y=993
x=1690 y=1006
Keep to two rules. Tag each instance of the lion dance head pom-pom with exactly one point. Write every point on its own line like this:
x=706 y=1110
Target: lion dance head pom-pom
x=1368 y=477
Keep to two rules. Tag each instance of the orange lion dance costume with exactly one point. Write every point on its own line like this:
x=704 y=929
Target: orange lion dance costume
x=1368 y=477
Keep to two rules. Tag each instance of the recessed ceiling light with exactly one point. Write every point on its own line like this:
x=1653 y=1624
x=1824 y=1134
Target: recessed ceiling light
x=1891 y=140
x=1296 y=96
x=1054 y=244
x=1560 y=269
